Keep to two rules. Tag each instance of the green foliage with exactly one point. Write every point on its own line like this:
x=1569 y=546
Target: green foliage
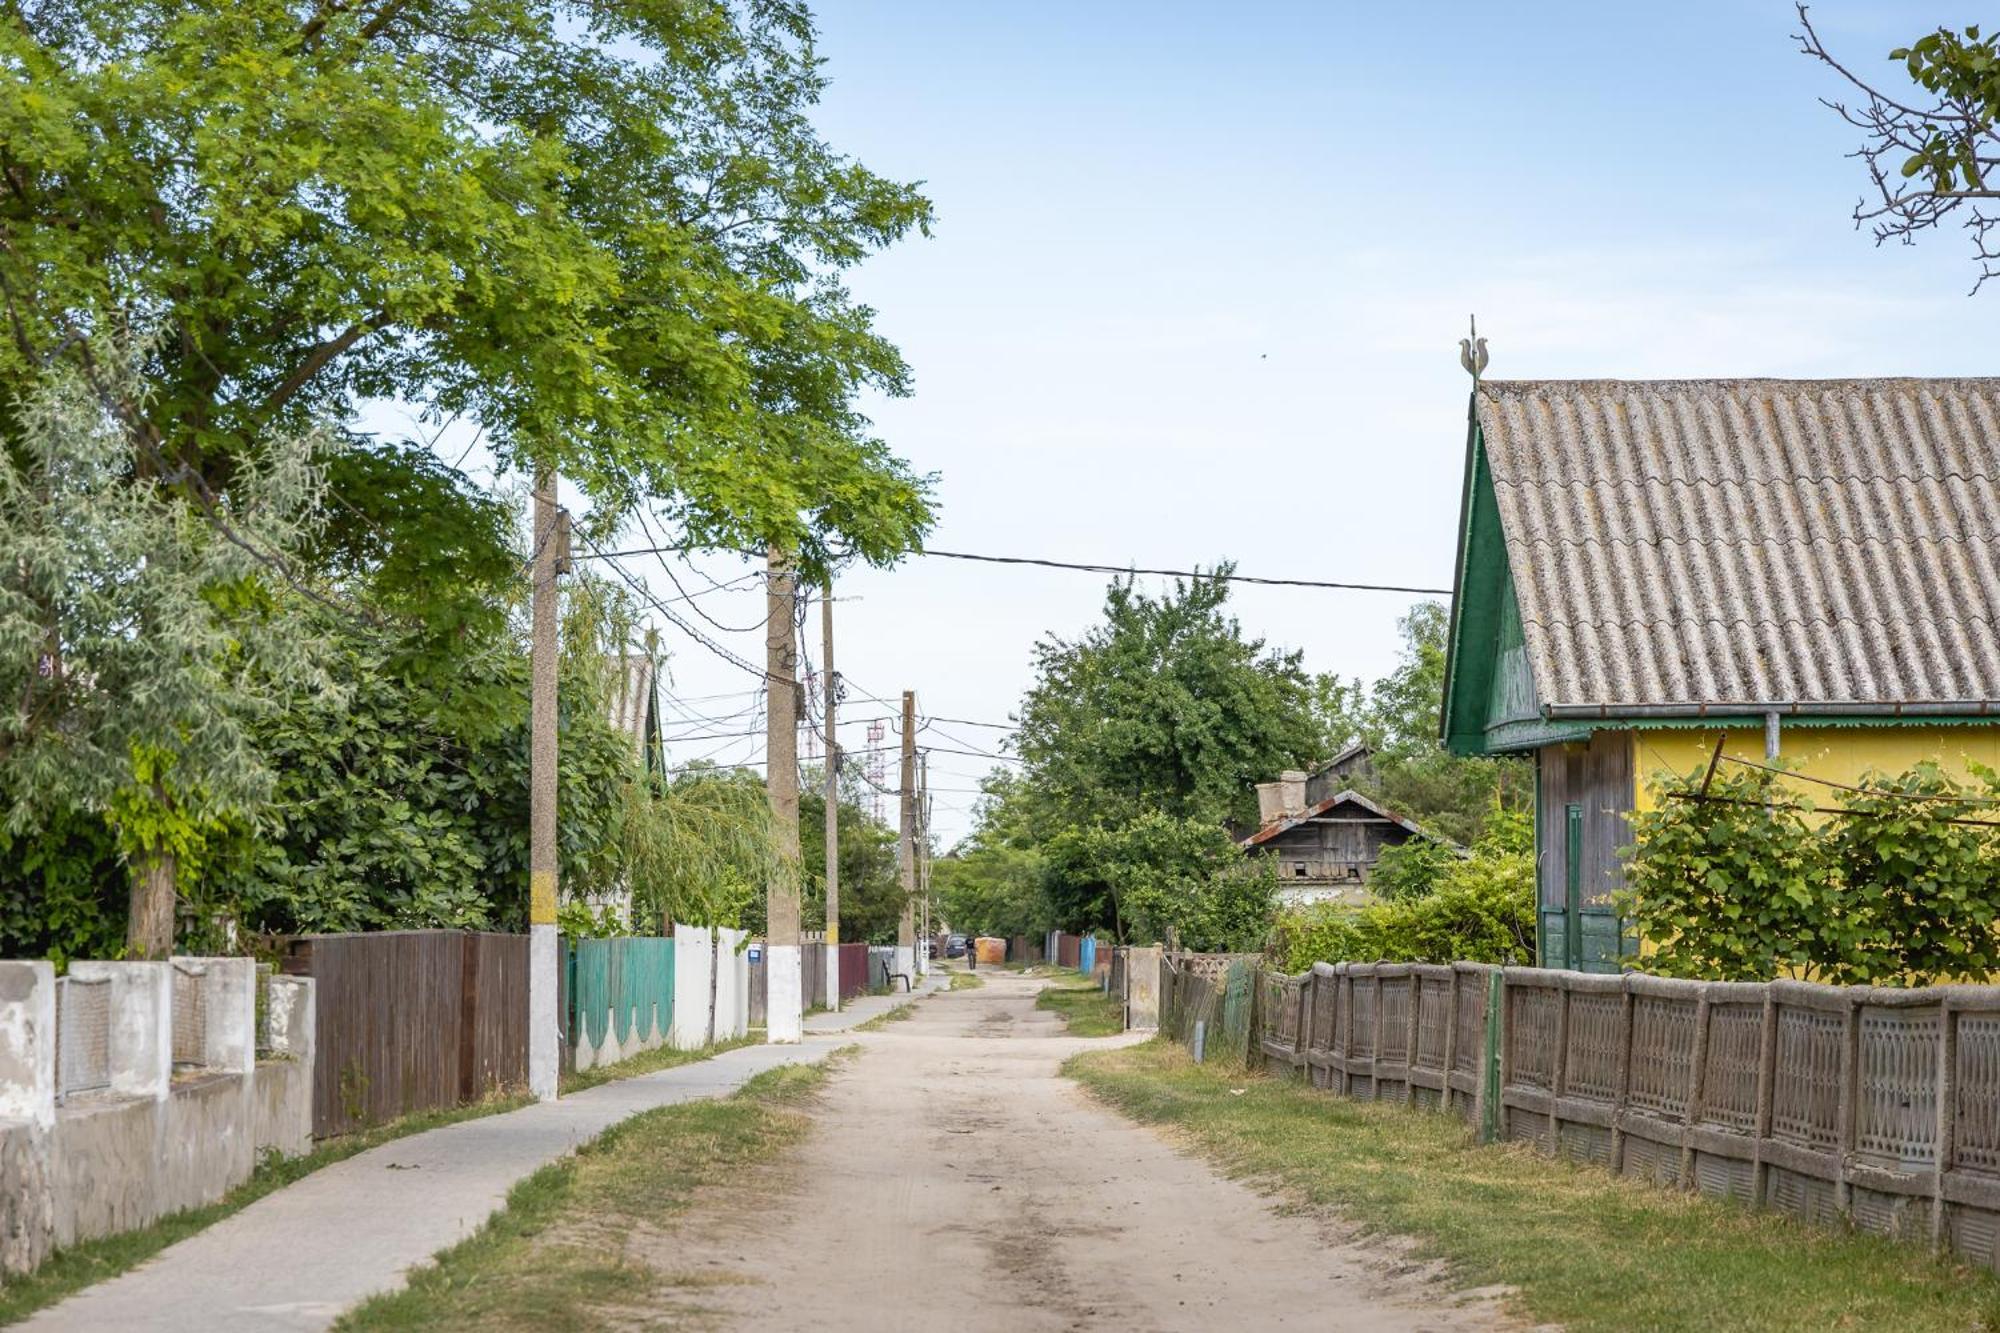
x=606 y=232
x=1141 y=739
x=143 y=631
x=1733 y=888
x=1898 y=884
x=1163 y=707
x=992 y=890
x=1410 y=869
x=871 y=887
x=1480 y=909
x=1963 y=70
x=62 y=892
x=1398 y=717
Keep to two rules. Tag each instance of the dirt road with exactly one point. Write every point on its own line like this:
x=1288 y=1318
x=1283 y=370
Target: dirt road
x=956 y=1180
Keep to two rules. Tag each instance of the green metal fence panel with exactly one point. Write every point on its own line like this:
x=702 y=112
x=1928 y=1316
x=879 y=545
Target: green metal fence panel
x=623 y=987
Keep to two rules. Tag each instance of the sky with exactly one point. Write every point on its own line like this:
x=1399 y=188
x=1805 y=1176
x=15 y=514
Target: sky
x=1200 y=271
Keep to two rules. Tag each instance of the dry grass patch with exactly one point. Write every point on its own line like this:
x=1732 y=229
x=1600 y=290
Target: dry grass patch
x=570 y=1250
x=1581 y=1247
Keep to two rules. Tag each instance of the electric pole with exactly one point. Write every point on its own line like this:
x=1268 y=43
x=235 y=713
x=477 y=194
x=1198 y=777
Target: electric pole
x=783 y=1010
x=924 y=858
x=831 y=702
x=906 y=848
x=548 y=561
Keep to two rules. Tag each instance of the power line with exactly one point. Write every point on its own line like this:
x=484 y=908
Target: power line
x=1181 y=573
x=1117 y=569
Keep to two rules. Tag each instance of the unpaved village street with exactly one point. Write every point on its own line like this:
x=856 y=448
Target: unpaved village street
x=955 y=1179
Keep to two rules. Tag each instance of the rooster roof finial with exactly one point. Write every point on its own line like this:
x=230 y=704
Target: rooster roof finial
x=1472 y=352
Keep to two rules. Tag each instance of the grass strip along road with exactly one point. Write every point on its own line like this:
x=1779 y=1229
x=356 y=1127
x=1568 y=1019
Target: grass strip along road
x=1085 y=1007
x=1581 y=1247
x=578 y=1244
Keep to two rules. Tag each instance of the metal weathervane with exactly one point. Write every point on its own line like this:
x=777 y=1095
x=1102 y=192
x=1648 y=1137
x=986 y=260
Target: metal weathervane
x=1472 y=352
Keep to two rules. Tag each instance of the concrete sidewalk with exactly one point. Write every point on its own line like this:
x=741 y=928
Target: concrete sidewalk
x=297 y=1258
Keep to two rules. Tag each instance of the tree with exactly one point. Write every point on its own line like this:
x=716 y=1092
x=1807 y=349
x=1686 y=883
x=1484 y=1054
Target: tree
x=1163 y=706
x=871 y=894
x=1142 y=740
x=143 y=634
x=1935 y=156
x=607 y=233
x=1414 y=774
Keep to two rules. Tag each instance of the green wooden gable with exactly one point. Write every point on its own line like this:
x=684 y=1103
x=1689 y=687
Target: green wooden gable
x=1490 y=702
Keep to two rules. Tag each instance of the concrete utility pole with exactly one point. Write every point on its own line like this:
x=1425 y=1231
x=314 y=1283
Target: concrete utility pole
x=783 y=1010
x=549 y=560
x=924 y=858
x=832 y=999
x=906 y=846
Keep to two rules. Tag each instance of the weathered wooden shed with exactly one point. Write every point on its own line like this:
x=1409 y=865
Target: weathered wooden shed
x=1326 y=850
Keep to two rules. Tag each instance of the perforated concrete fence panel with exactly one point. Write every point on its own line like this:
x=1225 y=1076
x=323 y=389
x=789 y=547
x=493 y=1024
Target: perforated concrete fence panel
x=1838 y=1105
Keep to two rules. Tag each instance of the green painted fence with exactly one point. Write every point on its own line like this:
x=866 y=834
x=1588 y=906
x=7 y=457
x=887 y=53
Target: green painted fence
x=623 y=987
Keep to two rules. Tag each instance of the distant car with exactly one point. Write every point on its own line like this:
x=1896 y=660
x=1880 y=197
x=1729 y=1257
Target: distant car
x=955 y=946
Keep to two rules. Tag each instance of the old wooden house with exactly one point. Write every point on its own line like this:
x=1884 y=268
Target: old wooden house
x=1805 y=568
x=1324 y=835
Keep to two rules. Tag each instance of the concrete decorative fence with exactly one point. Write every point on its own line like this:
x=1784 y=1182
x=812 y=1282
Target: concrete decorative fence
x=129 y=1091
x=1836 y=1104
x=411 y=1020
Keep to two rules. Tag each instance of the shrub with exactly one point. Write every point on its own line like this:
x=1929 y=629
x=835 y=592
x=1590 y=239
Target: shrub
x=1481 y=909
x=1898 y=883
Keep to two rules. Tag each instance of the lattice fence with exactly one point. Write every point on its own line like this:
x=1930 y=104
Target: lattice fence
x=1861 y=1105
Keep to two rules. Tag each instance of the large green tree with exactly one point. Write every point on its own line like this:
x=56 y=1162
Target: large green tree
x=1145 y=736
x=141 y=640
x=606 y=232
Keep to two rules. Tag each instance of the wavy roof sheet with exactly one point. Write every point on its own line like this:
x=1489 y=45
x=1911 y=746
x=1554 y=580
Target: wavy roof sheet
x=1729 y=541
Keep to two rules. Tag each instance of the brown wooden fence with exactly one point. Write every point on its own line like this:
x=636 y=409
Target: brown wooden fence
x=412 y=1020
x=1836 y=1104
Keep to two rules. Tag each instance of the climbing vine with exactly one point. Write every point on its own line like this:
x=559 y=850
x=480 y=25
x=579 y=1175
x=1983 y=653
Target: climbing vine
x=1739 y=875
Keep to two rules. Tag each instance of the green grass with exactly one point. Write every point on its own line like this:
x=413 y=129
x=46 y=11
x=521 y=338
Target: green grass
x=69 y=1271
x=562 y=1255
x=1581 y=1247
x=647 y=1062
x=880 y=1021
x=967 y=981
x=1087 y=1009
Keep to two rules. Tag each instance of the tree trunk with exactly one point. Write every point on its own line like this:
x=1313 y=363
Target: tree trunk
x=149 y=926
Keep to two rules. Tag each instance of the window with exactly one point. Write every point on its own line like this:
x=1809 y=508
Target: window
x=1298 y=870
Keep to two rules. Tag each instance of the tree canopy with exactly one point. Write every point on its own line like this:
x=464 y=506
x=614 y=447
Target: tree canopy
x=608 y=233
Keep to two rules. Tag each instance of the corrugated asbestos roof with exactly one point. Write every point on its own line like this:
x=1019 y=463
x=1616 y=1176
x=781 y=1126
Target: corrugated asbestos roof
x=1702 y=541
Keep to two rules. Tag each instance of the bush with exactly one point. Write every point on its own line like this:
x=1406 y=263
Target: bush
x=1480 y=910
x=1897 y=884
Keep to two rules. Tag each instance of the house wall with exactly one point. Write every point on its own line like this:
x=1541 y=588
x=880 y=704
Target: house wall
x=1577 y=924
x=1837 y=754
x=1338 y=854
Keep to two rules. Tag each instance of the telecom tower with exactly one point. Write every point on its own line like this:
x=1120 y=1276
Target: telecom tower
x=878 y=767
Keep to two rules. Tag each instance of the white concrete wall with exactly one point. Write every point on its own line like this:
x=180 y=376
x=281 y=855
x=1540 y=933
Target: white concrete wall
x=149 y=1145
x=694 y=958
x=142 y=1025
x=732 y=984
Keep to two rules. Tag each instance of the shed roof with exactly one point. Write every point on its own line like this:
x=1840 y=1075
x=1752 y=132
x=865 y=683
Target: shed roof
x=1696 y=542
x=1319 y=809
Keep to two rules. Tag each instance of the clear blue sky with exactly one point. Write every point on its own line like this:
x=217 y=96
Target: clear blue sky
x=1201 y=270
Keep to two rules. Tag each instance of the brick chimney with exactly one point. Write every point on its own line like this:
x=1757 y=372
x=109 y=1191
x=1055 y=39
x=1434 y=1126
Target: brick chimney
x=1292 y=793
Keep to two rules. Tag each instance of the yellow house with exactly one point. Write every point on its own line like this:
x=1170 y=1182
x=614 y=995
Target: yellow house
x=1810 y=568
